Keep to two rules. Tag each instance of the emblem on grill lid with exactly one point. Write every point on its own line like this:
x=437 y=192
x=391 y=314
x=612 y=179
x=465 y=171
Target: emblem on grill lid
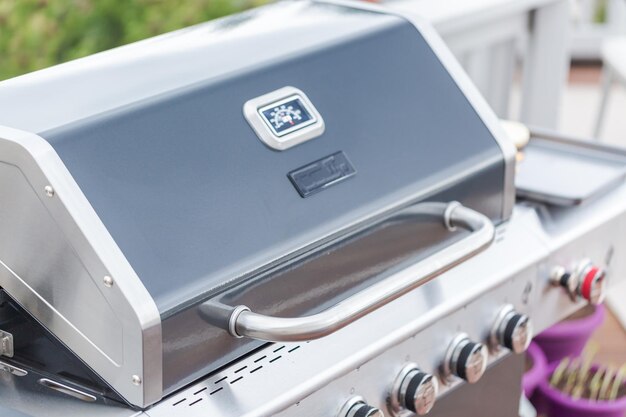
x=283 y=118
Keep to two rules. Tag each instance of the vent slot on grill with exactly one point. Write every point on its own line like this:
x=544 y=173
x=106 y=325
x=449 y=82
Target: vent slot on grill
x=253 y=365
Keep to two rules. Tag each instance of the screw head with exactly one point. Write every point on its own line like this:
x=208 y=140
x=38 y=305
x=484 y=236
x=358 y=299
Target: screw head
x=136 y=380
x=108 y=281
x=49 y=190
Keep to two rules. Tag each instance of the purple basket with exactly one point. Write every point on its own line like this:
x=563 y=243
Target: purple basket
x=569 y=337
x=558 y=404
x=533 y=377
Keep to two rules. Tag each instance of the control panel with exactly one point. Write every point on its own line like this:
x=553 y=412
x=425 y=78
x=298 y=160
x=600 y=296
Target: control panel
x=414 y=391
x=465 y=359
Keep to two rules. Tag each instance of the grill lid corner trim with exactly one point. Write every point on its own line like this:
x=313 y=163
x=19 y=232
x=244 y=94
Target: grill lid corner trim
x=64 y=225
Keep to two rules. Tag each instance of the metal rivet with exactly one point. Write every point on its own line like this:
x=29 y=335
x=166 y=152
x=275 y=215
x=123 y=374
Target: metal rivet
x=136 y=380
x=108 y=281
x=49 y=190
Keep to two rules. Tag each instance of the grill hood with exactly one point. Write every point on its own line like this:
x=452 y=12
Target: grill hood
x=135 y=188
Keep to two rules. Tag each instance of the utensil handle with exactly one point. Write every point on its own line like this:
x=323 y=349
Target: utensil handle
x=246 y=323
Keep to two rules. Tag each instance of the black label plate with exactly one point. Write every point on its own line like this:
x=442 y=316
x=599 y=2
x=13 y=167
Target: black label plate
x=321 y=174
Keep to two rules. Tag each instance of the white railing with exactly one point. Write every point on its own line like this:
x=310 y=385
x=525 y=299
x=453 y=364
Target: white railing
x=592 y=22
x=490 y=38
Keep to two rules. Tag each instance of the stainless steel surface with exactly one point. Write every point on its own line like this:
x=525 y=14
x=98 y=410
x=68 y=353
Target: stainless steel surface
x=543 y=174
x=67 y=390
x=59 y=235
x=496 y=394
x=561 y=277
x=357 y=407
x=232 y=321
x=364 y=410
x=466 y=85
x=6 y=344
x=26 y=397
x=252 y=108
x=386 y=348
x=14 y=370
x=584 y=280
x=546 y=171
x=511 y=330
x=470 y=366
x=249 y=324
x=579 y=143
x=367 y=356
x=128 y=346
x=421 y=399
x=357 y=358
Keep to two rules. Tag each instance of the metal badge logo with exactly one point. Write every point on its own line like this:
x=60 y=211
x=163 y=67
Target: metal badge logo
x=321 y=174
x=283 y=118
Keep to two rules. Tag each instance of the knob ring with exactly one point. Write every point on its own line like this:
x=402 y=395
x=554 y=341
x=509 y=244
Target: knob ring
x=451 y=356
x=560 y=277
x=466 y=352
x=365 y=410
x=411 y=390
x=397 y=389
x=504 y=328
x=517 y=321
x=592 y=276
x=458 y=356
x=402 y=399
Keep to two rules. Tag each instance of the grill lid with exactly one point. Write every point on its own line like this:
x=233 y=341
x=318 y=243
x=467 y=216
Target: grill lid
x=176 y=176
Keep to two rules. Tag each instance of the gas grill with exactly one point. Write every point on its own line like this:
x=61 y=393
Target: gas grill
x=303 y=209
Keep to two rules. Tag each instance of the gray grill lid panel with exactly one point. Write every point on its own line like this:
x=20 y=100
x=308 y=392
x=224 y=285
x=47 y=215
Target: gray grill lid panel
x=299 y=289
x=195 y=200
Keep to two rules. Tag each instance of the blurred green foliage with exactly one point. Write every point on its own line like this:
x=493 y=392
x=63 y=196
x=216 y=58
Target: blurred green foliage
x=600 y=13
x=38 y=33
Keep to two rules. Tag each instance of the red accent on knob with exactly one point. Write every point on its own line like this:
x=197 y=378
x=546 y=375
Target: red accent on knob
x=587 y=284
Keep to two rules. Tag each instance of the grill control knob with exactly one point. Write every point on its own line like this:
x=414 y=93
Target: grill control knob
x=512 y=330
x=465 y=359
x=414 y=390
x=561 y=277
x=592 y=283
x=587 y=281
x=357 y=407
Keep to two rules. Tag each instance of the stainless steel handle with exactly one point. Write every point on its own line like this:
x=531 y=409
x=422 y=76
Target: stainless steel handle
x=245 y=323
